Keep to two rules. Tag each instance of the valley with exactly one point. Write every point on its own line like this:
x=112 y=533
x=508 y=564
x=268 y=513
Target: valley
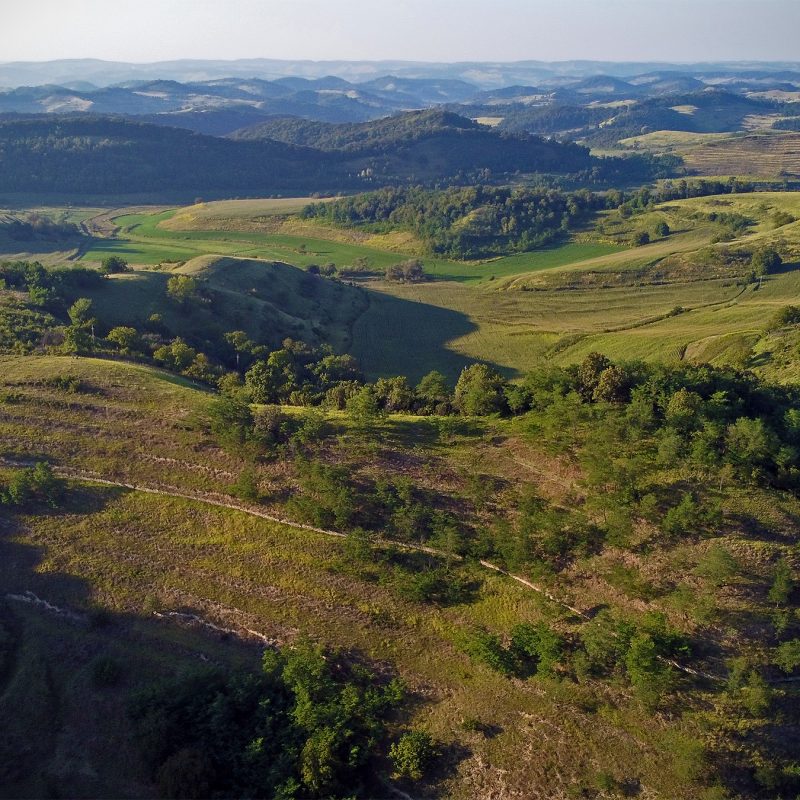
x=399 y=430
x=592 y=293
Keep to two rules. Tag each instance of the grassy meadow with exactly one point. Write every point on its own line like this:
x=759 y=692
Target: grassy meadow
x=673 y=298
x=762 y=154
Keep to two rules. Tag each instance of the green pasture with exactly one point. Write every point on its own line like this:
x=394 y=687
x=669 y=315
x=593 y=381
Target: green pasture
x=510 y=312
x=143 y=241
x=413 y=329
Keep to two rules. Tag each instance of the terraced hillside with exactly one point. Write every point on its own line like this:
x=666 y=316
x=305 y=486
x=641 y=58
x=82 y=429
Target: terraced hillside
x=160 y=564
x=761 y=154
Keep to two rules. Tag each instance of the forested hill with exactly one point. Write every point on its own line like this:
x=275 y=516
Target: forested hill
x=425 y=143
x=102 y=155
x=359 y=136
x=95 y=155
x=469 y=222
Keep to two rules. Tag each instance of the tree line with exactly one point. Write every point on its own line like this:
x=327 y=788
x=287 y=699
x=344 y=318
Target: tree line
x=483 y=221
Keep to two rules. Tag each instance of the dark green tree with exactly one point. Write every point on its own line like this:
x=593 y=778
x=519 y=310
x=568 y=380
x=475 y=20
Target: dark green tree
x=112 y=265
x=479 y=391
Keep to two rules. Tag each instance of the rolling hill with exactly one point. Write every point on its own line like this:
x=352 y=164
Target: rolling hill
x=87 y=155
x=149 y=564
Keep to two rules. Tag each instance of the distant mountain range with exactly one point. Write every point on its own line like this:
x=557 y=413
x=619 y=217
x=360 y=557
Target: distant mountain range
x=221 y=105
x=76 y=73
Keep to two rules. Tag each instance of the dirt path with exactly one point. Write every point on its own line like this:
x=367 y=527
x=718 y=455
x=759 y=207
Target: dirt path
x=222 y=501
x=103 y=226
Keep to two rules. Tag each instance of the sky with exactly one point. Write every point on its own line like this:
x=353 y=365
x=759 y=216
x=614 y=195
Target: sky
x=414 y=30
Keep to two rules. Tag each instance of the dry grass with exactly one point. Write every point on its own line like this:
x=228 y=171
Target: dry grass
x=771 y=155
x=129 y=552
x=213 y=215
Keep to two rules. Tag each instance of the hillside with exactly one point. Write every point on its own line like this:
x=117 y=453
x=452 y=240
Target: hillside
x=636 y=119
x=97 y=155
x=422 y=145
x=663 y=301
x=370 y=136
x=196 y=304
x=709 y=111
x=597 y=556
x=186 y=568
x=270 y=301
x=689 y=293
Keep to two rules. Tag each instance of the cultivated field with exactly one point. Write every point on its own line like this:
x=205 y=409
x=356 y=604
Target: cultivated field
x=762 y=154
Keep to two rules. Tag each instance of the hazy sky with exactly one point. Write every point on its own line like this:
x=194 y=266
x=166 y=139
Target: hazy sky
x=431 y=30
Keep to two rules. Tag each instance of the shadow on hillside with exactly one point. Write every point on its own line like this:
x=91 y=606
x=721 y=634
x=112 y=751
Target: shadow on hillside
x=430 y=431
x=64 y=732
x=783 y=269
x=754 y=529
x=396 y=336
x=36 y=247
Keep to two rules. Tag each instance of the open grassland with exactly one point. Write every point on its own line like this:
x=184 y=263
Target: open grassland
x=514 y=331
x=767 y=155
x=205 y=216
x=174 y=236
x=116 y=556
x=679 y=296
x=445 y=326
x=663 y=301
x=670 y=141
x=761 y=209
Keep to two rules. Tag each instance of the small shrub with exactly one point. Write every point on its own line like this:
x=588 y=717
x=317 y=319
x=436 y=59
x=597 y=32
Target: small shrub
x=412 y=754
x=246 y=487
x=487 y=648
x=113 y=265
x=69 y=384
x=787 y=656
x=35 y=484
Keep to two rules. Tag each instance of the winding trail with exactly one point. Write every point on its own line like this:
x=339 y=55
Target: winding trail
x=223 y=501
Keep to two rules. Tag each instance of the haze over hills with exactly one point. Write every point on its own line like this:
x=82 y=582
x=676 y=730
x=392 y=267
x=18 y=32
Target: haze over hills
x=483 y=74
x=572 y=100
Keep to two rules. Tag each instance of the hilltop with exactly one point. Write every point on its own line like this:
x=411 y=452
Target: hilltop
x=425 y=145
x=99 y=155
